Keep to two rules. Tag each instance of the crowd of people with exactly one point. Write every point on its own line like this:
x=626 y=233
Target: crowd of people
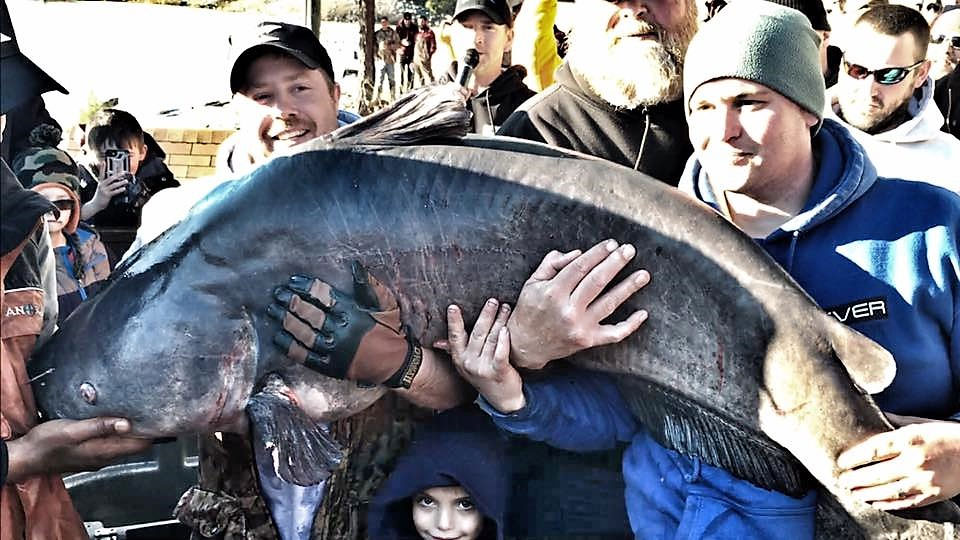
x=828 y=134
x=411 y=45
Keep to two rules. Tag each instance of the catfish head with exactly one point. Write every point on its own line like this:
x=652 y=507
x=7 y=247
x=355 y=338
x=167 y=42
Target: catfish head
x=168 y=358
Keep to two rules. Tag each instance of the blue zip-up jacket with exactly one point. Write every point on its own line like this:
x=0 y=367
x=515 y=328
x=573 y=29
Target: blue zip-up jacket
x=879 y=252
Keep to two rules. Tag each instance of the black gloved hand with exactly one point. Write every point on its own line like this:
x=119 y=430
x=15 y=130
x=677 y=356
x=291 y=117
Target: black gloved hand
x=357 y=337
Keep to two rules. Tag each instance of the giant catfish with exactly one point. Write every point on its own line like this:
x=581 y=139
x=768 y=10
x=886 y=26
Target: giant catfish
x=736 y=364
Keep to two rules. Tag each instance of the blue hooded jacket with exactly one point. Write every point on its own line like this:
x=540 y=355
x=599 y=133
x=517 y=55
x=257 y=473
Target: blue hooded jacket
x=458 y=447
x=880 y=254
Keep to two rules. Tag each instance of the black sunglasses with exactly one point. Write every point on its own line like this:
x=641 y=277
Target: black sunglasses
x=954 y=40
x=63 y=204
x=885 y=76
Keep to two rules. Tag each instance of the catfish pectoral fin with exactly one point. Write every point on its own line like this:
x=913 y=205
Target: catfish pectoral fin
x=300 y=450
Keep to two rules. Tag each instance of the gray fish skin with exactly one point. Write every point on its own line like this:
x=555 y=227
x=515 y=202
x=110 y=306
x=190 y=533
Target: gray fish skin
x=181 y=337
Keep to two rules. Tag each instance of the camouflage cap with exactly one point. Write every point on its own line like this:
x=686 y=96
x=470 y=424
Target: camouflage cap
x=46 y=164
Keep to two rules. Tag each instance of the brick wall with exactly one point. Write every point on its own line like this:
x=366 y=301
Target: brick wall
x=191 y=153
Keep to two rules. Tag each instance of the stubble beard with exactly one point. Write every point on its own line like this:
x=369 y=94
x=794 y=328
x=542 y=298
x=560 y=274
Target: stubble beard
x=859 y=113
x=630 y=73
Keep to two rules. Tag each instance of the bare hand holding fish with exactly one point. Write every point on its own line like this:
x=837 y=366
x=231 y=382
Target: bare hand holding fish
x=484 y=359
x=560 y=307
x=915 y=465
x=62 y=446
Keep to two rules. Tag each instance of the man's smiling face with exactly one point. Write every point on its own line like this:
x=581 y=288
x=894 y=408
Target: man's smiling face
x=288 y=103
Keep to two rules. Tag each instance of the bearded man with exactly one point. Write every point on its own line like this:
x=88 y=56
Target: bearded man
x=617 y=96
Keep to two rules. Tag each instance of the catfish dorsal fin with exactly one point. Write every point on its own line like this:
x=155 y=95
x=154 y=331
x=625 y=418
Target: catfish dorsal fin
x=870 y=366
x=430 y=112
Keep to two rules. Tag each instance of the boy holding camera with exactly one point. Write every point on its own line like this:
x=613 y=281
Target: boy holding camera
x=128 y=169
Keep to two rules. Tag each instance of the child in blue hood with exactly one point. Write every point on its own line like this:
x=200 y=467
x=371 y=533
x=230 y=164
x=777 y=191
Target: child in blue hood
x=452 y=483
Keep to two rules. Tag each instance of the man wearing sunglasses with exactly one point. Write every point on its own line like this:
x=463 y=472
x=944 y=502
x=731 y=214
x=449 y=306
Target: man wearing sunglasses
x=884 y=96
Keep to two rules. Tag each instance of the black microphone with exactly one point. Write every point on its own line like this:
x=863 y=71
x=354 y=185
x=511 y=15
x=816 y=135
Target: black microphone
x=470 y=61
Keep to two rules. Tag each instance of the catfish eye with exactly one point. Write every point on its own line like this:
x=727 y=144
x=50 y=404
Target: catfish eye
x=89 y=393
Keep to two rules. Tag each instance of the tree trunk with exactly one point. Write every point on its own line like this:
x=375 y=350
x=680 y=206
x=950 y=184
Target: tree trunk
x=313 y=15
x=368 y=46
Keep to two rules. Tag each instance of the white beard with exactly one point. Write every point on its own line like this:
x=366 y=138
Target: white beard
x=633 y=72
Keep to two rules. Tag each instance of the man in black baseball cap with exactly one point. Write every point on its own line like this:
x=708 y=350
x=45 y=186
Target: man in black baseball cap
x=487 y=26
x=283 y=81
x=498 y=10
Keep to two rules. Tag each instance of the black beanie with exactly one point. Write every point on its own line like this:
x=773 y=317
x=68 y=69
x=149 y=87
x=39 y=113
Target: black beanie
x=813 y=9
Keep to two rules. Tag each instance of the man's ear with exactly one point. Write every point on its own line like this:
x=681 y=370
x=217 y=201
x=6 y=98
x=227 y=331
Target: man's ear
x=336 y=96
x=922 y=73
x=509 y=44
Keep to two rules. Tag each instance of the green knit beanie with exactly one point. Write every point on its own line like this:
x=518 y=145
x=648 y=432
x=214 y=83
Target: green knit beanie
x=762 y=42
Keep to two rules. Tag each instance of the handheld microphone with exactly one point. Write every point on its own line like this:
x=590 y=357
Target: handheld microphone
x=470 y=61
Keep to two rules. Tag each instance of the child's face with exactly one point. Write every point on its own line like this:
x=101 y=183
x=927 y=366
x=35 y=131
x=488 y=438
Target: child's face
x=138 y=152
x=446 y=513
x=61 y=198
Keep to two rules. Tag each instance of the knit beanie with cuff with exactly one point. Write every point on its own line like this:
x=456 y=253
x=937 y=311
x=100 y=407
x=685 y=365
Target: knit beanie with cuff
x=762 y=42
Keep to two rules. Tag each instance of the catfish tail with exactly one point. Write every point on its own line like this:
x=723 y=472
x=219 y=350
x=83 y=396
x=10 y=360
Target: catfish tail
x=430 y=112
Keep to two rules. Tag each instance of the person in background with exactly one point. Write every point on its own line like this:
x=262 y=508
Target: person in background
x=452 y=482
x=884 y=96
x=817 y=15
x=81 y=258
x=387 y=44
x=424 y=48
x=117 y=200
x=617 y=95
x=944 y=54
x=407 y=31
x=495 y=91
x=931 y=10
x=944 y=49
x=536 y=46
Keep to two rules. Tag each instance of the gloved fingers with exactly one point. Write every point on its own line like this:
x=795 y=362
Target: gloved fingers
x=302 y=331
x=315 y=290
x=307 y=312
x=290 y=346
x=296 y=351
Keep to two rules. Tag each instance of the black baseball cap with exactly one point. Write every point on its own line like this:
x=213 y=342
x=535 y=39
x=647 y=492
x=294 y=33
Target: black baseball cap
x=297 y=41
x=20 y=79
x=498 y=10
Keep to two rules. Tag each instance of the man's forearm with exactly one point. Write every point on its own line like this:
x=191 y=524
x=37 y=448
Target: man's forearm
x=437 y=385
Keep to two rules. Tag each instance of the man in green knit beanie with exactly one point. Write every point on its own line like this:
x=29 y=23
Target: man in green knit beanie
x=866 y=248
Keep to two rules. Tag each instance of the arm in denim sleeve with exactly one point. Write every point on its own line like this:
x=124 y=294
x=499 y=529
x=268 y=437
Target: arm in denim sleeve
x=573 y=410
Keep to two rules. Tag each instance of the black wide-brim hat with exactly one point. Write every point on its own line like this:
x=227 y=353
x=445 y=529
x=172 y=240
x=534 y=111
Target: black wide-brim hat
x=20 y=79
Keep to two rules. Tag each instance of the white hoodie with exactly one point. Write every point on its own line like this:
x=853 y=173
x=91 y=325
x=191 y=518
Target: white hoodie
x=914 y=150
